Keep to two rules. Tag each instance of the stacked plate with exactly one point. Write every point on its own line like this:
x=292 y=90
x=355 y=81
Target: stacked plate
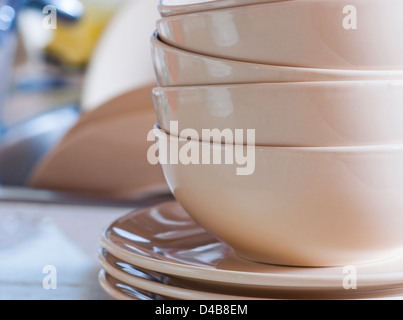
x=161 y=253
x=279 y=133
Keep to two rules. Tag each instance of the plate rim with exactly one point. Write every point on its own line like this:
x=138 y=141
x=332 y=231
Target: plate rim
x=265 y=280
x=167 y=290
x=110 y=290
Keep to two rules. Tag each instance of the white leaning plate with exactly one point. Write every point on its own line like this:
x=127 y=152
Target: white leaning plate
x=166 y=240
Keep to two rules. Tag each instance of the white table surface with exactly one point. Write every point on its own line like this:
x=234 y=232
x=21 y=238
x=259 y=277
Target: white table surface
x=35 y=235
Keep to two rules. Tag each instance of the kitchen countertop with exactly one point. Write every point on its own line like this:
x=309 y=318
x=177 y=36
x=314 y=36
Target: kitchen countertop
x=42 y=236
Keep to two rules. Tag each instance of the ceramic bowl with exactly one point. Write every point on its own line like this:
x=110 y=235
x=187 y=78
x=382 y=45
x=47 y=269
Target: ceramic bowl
x=299 y=114
x=177 y=7
x=293 y=206
x=176 y=67
x=310 y=33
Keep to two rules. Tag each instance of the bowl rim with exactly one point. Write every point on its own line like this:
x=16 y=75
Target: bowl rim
x=166 y=9
x=157 y=42
x=384 y=148
x=331 y=83
x=238 y=8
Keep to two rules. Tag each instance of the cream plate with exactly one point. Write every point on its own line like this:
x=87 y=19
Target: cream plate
x=165 y=239
x=159 y=284
x=121 y=291
x=185 y=289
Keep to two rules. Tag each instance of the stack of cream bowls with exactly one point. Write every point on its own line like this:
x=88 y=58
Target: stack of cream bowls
x=321 y=83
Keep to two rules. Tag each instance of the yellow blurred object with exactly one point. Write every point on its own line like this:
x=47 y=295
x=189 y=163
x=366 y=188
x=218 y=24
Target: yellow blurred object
x=74 y=43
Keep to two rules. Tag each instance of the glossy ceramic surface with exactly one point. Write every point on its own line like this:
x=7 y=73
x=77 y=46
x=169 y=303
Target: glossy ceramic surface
x=303 y=114
x=194 y=289
x=176 y=7
x=176 y=67
x=165 y=239
x=122 y=291
x=310 y=33
x=292 y=206
x=160 y=284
